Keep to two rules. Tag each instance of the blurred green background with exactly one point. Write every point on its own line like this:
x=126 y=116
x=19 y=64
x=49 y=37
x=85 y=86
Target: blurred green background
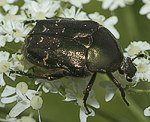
x=132 y=27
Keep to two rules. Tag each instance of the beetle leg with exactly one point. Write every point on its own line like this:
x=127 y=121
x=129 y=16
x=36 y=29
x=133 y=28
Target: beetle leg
x=119 y=86
x=87 y=90
x=57 y=75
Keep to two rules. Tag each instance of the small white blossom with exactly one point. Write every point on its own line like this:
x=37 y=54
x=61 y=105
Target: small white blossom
x=13 y=31
x=15 y=61
x=22 y=119
x=108 y=23
x=110 y=89
x=134 y=48
x=11 y=9
x=4 y=66
x=36 y=102
x=22 y=95
x=49 y=86
x=7 y=64
x=73 y=13
x=79 y=3
x=114 y=4
x=143 y=69
x=142 y=64
x=147 y=111
x=74 y=92
x=145 y=9
x=40 y=10
x=27 y=119
x=6 y=2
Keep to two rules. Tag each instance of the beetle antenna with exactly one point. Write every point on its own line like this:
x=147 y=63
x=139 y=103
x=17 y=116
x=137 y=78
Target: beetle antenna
x=138 y=56
x=30 y=21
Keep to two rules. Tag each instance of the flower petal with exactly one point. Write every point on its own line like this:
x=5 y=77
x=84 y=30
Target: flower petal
x=147 y=111
x=2 y=82
x=8 y=91
x=83 y=115
x=19 y=108
x=9 y=99
x=145 y=9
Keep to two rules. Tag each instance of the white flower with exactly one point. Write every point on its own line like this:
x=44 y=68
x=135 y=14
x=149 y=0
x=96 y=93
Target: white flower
x=12 y=30
x=11 y=9
x=6 y=2
x=48 y=86
x=110 y=89
x=114 y=4
x=23 y=96
x=145 y=9
x=74 y=92
x=108 y=23
x=22 y=119
x=147 y=111
x=134 y=48
x=16 y=64
x=40 y=10
x=36 y=102
x=73 y=13
x=79 y=3
x=143 y=69
x=7 y=64
x=4 y=67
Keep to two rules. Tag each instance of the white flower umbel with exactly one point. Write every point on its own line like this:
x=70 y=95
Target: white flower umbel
x=114 y=4
x=79 y=3
x=74 y=92
x=134 y=48
x=23 y=96
x=4 y=66
x=143 y=70
x=145 y=9
x=108 y=23
x=36 y=10
x=12 y=31
x=73 y=13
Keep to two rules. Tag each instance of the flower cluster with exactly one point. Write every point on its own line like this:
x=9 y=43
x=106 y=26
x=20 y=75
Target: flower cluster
x=114 y=4
x=142 y=63
x=14 y=30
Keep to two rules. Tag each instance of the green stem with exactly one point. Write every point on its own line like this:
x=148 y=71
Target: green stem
x=140 y=91
x=136 y=110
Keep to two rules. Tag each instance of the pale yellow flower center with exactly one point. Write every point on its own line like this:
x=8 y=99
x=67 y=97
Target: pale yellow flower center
x=36 y=102
x=18 y=33
x=2 y=2
x=27 y=119
x=40 y=15
x=22 y=87
x=4 y=66
x=133 y=50
x=141 y=68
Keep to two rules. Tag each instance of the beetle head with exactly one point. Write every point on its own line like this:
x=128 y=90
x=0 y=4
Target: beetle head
x=128 y=68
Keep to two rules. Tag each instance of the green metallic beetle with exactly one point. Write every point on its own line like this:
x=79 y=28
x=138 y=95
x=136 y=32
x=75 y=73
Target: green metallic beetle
x=68 y=47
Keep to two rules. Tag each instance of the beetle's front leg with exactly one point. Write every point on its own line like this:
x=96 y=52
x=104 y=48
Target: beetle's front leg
x=87 y=90
x=54 y=76
x=119 y=86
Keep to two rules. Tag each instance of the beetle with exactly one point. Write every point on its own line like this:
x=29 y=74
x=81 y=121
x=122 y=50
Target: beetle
x=69 y=47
